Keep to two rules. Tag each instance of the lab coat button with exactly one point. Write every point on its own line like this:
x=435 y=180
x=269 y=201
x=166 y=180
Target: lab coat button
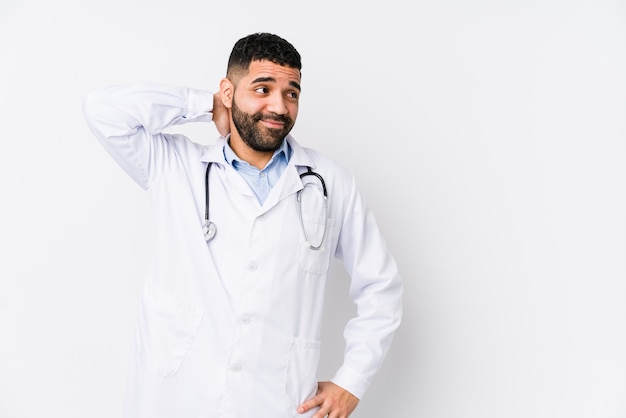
x=236 y=367
x=245 y=319
x=252 y=266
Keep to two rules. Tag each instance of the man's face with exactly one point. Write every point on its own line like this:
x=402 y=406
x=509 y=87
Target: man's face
x=265 y=105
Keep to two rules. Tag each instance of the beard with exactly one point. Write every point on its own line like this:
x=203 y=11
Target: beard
x=257 y=136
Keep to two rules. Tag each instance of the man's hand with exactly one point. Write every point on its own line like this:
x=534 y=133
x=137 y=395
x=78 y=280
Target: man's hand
x=220 y=115
x=333 y=400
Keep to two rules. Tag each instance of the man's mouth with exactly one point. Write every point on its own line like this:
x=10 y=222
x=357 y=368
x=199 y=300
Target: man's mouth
x=273 y=123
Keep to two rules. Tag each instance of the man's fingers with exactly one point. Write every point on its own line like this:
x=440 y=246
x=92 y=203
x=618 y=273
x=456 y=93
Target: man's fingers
x=311 y=403
x=333 y=401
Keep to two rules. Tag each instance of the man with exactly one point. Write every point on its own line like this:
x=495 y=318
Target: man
x=229 y=321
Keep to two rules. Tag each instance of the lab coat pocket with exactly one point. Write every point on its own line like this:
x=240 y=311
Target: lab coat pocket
x=302 y=373
x=315 y=233
x=165 y=331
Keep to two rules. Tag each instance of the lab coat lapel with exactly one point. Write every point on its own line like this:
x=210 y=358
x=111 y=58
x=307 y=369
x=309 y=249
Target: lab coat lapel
x=220 y=173
x=290 y=182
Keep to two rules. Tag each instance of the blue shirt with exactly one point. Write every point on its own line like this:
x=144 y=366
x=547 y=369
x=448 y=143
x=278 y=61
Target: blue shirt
x=260 y=181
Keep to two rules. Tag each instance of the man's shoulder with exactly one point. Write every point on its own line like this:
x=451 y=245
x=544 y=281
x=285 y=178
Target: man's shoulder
x=322 y=163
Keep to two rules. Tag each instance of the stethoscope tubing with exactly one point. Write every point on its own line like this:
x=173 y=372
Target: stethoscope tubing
x=210 y=229
x=310 y=172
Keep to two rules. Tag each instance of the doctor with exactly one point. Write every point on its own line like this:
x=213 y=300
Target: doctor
x=230 y=314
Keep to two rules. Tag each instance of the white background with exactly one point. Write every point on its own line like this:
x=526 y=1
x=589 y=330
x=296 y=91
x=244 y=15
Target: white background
x=489 y=136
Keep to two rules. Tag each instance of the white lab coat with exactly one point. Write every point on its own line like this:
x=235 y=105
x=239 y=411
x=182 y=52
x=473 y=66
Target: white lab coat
x=232 y=328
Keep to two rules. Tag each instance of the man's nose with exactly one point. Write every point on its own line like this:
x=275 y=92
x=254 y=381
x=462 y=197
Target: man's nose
x=276 y=104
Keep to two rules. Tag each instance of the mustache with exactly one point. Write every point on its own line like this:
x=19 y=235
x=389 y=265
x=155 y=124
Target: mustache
x=272 y=116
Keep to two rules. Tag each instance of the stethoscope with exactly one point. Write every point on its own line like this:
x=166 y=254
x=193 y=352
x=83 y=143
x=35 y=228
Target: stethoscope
x=210 y=229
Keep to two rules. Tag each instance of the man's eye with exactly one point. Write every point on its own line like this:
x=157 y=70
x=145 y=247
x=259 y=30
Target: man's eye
x=262 y=90
x=293 y=95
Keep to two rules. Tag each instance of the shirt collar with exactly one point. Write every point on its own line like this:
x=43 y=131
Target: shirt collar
x=231 y=158
x=298 y=155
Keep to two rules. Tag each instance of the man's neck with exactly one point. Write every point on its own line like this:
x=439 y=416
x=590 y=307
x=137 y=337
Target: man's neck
x=258 y=159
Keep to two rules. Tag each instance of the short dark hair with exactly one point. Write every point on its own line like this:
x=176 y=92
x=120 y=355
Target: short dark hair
x=262 y=46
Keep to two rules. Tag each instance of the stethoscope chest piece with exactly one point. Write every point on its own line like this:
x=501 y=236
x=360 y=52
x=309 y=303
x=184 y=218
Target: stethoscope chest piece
x=209 y=229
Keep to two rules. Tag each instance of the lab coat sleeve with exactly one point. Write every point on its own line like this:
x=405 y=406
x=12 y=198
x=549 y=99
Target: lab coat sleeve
x=376 y=288
x=129 y=121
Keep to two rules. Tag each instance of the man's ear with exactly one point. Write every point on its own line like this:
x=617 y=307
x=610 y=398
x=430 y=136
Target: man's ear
x=227 y=90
